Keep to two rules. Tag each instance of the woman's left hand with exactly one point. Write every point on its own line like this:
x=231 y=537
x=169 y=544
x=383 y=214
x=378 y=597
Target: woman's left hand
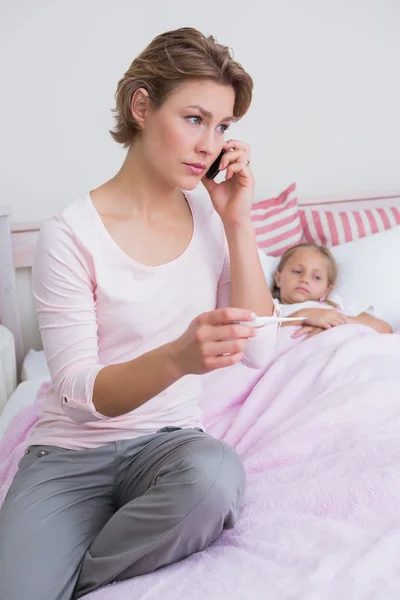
x=232 y=198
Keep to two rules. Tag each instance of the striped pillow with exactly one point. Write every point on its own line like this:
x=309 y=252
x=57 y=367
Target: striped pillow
x=277 y=222
x=331 y=228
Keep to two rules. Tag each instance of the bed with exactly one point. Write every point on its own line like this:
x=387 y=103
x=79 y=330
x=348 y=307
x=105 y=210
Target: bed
x=29 y=367
x=318 y=430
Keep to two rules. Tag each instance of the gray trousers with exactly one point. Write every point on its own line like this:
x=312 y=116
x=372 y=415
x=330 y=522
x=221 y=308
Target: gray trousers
x=74 y=520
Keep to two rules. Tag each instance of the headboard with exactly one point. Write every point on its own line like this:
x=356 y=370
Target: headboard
x=17 y=244
x=352 y=201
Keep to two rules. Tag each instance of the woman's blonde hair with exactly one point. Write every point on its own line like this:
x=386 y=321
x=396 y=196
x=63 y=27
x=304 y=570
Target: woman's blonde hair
x=325 y=252
x=169 y=60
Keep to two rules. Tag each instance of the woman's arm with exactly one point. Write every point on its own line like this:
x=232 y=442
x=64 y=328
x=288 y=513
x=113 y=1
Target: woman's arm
x=232 y=200
x=240 y=286
x=248 y=286
x=63 y=286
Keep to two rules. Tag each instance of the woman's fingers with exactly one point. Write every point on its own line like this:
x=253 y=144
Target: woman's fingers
x=219 y=362
x=236 y=152
x=225 y=347
x=226 y=315
x=230 y=158
x=218 y=333
x=240 y=169
x=237 y=145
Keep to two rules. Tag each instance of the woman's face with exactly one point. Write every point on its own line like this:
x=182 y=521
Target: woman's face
x=304 y=277
x=183 y=137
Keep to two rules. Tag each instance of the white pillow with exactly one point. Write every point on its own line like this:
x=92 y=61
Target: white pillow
x=34 y=366
x=369 y=273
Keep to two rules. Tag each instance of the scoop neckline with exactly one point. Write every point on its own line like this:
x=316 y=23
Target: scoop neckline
x=106 y=234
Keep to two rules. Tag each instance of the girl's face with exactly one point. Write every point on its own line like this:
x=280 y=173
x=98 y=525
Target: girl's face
x=304 y=277
x=183 y=137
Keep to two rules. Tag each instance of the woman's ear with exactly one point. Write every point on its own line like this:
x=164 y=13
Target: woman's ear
x=140 y=105
x=277 y=278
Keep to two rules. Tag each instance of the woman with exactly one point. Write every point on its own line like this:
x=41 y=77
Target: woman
x=138 y=286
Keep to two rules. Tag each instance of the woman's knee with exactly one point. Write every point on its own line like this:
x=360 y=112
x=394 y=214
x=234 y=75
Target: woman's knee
x=218 y=478
x=229 y=486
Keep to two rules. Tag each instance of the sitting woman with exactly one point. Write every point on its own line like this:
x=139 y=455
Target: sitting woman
x=303 y=281
x=137 y=285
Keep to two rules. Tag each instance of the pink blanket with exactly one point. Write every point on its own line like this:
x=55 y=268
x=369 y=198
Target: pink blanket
x=319 y=435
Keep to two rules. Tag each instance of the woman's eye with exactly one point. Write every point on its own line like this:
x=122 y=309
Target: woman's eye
x=195 y=120
x=223 y=128
x=296 y=272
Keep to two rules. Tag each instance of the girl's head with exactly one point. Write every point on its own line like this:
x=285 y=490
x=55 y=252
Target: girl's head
x=305 y=272
x=177 y=99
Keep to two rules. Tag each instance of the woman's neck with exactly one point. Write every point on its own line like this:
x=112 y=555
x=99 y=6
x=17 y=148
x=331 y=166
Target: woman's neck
x=137 y=189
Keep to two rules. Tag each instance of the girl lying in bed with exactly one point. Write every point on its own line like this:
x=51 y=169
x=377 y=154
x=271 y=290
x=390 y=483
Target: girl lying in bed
x=303 y=281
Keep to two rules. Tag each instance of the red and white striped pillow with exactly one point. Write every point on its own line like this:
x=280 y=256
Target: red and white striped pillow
x=277 y=222
x=331 y=228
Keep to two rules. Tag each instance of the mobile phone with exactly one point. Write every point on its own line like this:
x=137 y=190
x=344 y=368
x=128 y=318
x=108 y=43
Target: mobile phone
x=214 y=169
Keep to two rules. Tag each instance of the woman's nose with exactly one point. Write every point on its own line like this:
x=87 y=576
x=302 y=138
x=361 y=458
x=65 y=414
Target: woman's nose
x=206 y=144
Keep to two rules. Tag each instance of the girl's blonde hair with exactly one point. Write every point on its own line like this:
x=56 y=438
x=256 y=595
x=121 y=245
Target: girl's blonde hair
x=325 y=252
x=169 y=60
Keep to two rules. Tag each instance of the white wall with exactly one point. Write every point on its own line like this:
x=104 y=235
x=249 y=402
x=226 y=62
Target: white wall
x=326 y=103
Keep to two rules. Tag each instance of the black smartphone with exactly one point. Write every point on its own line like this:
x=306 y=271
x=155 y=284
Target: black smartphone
x=214 y=169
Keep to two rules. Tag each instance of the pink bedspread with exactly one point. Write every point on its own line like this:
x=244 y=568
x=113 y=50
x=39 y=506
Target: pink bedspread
x=319 y=435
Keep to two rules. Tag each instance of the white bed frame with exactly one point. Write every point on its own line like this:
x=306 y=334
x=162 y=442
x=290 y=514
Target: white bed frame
x=17 y=244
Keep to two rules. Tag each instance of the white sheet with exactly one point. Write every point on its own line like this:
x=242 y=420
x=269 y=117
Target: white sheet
x=34 y=373
x=24 y=394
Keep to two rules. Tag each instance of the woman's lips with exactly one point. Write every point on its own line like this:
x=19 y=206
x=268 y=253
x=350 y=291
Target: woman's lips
x=195 y=168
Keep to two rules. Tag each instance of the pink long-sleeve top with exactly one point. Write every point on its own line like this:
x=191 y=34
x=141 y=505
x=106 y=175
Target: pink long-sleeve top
x=96 y=306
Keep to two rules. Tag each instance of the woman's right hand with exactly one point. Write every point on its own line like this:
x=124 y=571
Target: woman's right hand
x=213 y=340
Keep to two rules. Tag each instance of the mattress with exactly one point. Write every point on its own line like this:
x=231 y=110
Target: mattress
x=8 y=375
x=34 y=373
